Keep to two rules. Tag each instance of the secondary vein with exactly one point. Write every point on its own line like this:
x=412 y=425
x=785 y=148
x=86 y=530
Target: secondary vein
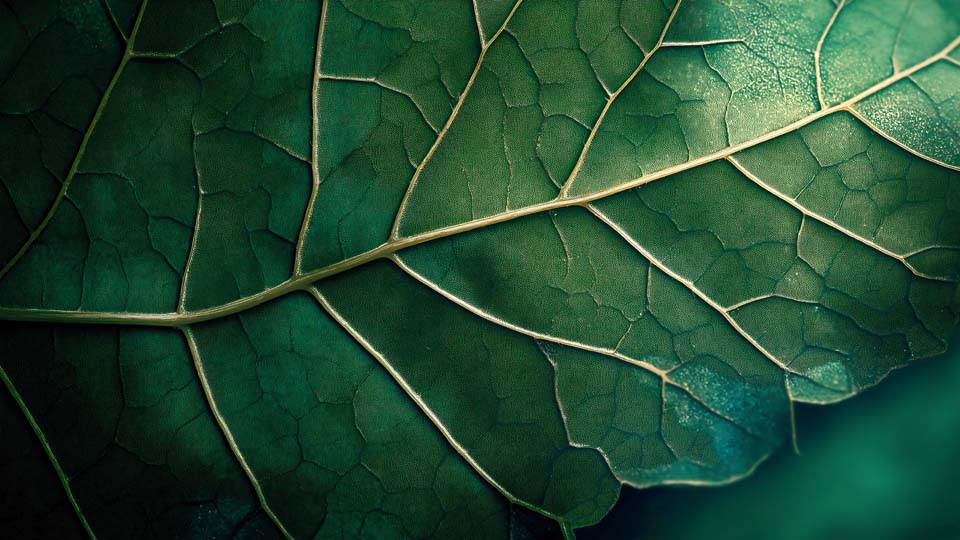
x=314 y=141
x=394 y=244
x=816 y=52
x=395 y=229
x=42 y=438
x=421 y=403
x=613 y=97
x=128 y=53
x=228 y=434
x=827 y=221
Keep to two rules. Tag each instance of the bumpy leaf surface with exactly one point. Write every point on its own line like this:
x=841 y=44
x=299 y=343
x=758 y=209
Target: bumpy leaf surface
x=380 y=268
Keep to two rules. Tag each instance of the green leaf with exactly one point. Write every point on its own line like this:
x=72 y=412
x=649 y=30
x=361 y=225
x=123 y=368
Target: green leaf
x=453 y=269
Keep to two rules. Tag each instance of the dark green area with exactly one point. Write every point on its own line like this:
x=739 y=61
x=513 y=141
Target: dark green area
x=124 y=414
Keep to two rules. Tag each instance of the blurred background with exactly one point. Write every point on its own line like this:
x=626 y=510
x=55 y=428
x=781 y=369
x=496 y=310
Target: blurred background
x=884 y=465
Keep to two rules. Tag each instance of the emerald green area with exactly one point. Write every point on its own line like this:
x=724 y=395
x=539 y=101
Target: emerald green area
x=454 y=269
x=335 y=446
x=373 y=136
x=491 y=386
x=251 y=196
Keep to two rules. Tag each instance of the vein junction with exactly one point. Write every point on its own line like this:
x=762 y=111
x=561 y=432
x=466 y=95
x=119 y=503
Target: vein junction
x=302 y=280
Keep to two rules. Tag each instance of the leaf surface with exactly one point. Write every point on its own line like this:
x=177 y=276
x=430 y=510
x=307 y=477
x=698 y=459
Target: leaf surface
x=455 y=269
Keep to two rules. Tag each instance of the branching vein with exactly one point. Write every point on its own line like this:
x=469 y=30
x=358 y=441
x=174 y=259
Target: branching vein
x=128 y=53
x=392 y=245
x=689 y=285
x=873 y=127
x=228 y=435
x=826 y=221
x=395 y=230
x=421 y=403
x=663 y=374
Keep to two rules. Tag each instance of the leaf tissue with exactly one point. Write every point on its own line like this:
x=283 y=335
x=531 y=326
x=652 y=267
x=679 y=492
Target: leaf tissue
x=452 y=269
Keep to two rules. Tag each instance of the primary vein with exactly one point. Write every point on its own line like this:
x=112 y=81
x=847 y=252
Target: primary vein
x=394 y=244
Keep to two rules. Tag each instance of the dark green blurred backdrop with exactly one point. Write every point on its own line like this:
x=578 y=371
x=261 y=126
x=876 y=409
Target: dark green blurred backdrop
x=884 y=465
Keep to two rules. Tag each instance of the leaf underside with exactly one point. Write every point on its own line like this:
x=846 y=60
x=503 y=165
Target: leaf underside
x=376 y=268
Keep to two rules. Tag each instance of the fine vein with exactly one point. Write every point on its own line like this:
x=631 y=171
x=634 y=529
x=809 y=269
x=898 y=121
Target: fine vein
x=304 y=280
x=71 y=173
x=826 y=221
x=421 y=403
x=613 y=97
x=873 y=127
x=395 y=230
x=725 y=312
x=663 y=374
x=690 y=286
x=612 y=353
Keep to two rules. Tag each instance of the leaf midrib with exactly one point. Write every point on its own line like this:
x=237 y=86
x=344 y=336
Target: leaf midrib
x=301 y=281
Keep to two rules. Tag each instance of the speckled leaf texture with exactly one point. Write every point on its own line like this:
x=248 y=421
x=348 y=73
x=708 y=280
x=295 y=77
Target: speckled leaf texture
x=451 y=269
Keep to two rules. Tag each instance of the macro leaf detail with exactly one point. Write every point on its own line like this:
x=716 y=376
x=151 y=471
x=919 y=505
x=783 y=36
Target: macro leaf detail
x=371 y=269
